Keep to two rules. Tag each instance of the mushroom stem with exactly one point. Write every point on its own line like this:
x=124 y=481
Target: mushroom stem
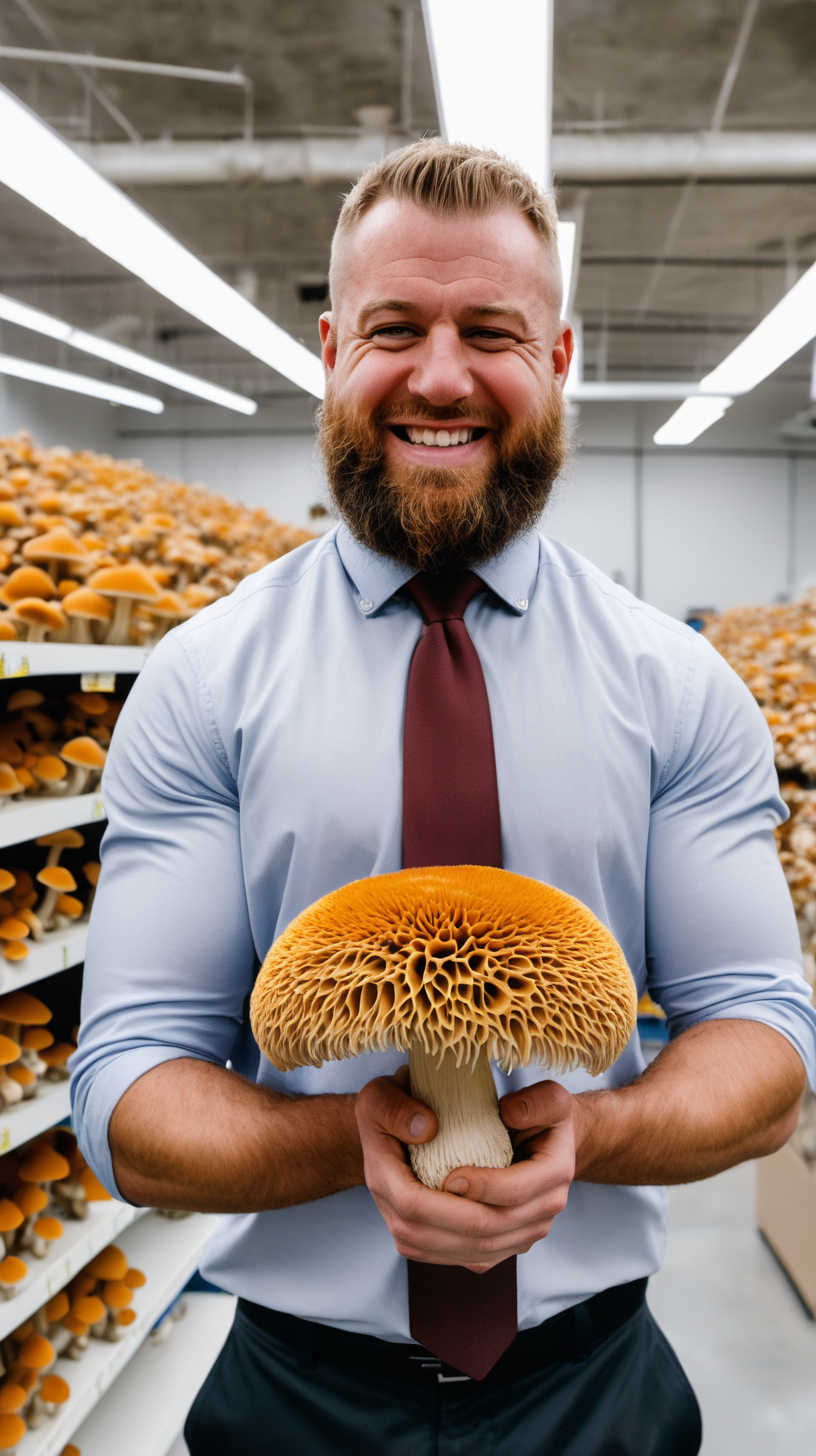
x=77 y=779
x=36 y=632
x=119 y=630
x=79 y=630
x=45 y=911
x=471 y=1132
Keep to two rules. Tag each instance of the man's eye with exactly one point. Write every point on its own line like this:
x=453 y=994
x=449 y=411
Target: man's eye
x=392 y=331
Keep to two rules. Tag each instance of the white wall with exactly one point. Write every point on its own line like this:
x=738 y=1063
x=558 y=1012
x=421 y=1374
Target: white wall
x=55 y=417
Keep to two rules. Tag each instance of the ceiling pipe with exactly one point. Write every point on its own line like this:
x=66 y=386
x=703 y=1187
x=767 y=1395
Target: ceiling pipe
x=641 y=157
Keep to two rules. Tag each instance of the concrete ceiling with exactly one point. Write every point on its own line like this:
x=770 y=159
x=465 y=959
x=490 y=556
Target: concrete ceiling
x=673 y=273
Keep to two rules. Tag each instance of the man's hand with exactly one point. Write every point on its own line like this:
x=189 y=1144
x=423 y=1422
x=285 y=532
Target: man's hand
x=483 y=1215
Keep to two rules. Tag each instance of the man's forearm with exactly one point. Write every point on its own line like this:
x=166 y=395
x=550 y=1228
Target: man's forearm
x=722 y=1092
x=191 y=1135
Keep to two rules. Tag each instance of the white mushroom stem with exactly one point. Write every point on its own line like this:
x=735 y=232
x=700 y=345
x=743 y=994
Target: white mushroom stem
x=10 y=1091
x=471 y=1132
x=119 y=630
x=79 y=630
x=45 y=911
x=77 y=779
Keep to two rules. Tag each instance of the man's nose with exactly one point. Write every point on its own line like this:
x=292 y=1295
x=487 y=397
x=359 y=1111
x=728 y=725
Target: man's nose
x=440 y=373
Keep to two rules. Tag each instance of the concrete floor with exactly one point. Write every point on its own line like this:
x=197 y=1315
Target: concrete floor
x=746 y=1341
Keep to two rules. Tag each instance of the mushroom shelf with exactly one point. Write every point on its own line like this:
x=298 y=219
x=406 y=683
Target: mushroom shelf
x=29 y=1119
x=41 y=659
x=168 y=1251
x=33 y=817
x=81 y=1241
x=57 y=950
x=144 y=1412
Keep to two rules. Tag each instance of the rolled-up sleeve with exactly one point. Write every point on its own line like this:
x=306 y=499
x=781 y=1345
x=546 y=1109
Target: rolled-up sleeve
x=170 y=954
x=721 y=932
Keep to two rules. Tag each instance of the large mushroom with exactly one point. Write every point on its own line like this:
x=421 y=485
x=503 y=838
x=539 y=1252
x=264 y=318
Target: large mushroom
x=58 y=841
x=27 y=581
x=58 y=549
x=82 y=607
x=39 y=616
x=57 y=881
x=458 y=966
x=125 y=585
x=87 y=760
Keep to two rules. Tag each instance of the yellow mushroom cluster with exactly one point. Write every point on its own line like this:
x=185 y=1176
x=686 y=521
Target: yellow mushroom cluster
x=97 y=1303
x=54 y=747
x=29 y=1055
x=94 y=549
x=774 y=651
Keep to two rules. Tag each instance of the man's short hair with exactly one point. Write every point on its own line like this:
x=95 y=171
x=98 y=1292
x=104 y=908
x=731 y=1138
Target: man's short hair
x=450 y=178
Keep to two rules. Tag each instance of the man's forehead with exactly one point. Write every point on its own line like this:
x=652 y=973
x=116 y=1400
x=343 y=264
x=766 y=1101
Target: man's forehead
x=399 y=248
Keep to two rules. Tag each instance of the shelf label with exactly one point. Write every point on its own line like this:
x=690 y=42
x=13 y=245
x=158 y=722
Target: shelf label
x=98 y=807
x=14 y=663
x=96 y=682
x=5 y=1138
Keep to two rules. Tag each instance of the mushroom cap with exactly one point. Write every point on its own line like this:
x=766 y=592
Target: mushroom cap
x=82 y=602
x=126 y=1316
x=22 y=1075
x=58 y=1307
x=464 y=958
x=36 y=1039
x=30 y=1200
x=55 y=1390
x=12 y=1430
x=91 y=871
x=69 y=906
x=110 y=1263
x=50 y=769
x=10 y=1216
x=9 y=782
x=93 y=704
x=13 y=929
x=135 y=1279
x=23 y=1008
x=89 y=1309
x=94 y=1191
x=12 y=1270
x=38 y=613
x=7 y=881
x=169 y=604
x=85 y=752
x=27 y=581
x=9 y=1051
x=42 y=1165
x=62 y=839
x=57 y=1056
x=57 y=545
x=8 y=631
x=12 y=1399
x=15 y=950
x=48 y=1229
x=117 y=1295
x=25 y=697
x=36 y=1352
x=126 y=581
x=70 y=1450
x=57 y=877
x=75 y=1325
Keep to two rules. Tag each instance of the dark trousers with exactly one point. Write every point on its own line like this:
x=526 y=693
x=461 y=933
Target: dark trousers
x=627 y=1397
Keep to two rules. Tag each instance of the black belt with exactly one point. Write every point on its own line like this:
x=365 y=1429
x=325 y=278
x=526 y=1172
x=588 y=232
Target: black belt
x=567 y=1336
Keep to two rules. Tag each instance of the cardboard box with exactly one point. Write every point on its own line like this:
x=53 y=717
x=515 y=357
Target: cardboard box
x=786 y=1209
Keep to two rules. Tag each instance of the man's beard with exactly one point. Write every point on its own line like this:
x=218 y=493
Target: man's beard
x=436 y=518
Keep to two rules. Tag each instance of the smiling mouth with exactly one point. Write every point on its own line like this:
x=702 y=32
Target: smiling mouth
x=442 y=438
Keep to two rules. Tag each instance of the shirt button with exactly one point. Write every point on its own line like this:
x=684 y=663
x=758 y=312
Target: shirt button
x=366 y=604
x=521 y=603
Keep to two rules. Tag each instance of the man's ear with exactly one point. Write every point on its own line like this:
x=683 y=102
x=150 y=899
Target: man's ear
x=329 y=349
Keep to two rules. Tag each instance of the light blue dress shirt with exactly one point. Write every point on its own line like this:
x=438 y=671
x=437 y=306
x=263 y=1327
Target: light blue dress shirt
x=258 y=765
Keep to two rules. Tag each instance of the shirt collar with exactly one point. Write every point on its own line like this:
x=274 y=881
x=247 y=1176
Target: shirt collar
x=511 y=574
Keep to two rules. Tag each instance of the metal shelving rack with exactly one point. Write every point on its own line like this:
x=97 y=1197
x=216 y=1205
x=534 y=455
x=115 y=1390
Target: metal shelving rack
x=167 y=1250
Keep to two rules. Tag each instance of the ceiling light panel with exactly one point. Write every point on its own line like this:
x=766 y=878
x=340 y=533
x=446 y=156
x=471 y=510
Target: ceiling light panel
x=40 y=166
x=25 y=317
x=692 y=418
x=780 y=335
x=78 y=384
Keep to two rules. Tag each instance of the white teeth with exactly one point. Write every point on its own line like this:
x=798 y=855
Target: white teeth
x=440 y=438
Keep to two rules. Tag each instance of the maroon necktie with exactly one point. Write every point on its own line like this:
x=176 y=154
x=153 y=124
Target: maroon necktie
x=450 y=815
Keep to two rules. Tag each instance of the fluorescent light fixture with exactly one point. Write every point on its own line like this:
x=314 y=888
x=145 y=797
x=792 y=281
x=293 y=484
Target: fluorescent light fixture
x=692 y=418
x=44 y=169
x=18 y=313
x=492 y=67
x=622 y=389
x=78 y=384
x=782 y=333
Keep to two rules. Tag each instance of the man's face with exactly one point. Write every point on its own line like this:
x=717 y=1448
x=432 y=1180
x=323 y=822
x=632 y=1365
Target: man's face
x=445 y=359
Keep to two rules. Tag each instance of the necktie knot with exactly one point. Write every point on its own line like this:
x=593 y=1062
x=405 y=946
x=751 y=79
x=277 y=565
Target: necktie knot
x=443 y=598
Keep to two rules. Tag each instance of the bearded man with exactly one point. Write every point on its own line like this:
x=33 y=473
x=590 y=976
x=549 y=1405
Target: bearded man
x=259 y=764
